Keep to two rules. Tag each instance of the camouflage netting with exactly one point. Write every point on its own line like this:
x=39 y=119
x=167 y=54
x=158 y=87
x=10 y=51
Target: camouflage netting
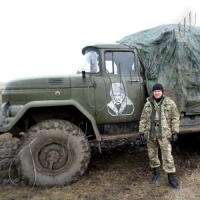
x=171 y=56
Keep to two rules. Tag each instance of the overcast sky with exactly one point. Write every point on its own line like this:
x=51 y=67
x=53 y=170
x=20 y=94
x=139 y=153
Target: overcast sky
x=45 y=37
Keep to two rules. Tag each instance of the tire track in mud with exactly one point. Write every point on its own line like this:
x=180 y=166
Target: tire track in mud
x=9 y=148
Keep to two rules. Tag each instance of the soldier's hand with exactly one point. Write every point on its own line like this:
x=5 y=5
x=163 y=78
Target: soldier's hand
x=141 y=138
x=174 y=137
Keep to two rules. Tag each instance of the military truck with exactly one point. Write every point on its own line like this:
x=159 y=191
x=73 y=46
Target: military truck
x=56 y=117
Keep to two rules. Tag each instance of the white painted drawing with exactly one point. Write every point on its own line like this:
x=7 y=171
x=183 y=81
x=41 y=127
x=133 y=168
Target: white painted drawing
x=120 y=104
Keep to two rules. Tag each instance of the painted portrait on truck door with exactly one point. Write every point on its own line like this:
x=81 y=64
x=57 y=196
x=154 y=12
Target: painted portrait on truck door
x=120 y=104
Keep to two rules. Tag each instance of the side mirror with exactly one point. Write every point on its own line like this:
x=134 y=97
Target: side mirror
x=83 y=76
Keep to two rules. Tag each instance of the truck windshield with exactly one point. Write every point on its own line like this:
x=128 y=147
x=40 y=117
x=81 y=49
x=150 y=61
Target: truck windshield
x=91 y=62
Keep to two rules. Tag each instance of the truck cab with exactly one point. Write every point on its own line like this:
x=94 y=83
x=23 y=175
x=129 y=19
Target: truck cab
x=109 y=86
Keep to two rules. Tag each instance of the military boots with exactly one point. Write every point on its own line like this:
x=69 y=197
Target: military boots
x=155 y=176
x=172 y=181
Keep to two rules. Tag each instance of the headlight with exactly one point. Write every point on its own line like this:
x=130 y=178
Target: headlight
x=13 y=110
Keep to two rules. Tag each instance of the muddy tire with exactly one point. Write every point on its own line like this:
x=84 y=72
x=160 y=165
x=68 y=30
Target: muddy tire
x=55 y=152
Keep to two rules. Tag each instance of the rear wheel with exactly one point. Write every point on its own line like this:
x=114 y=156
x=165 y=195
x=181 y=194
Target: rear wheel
x=55 y=152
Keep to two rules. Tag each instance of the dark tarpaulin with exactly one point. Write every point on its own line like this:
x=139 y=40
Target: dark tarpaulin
x=170 y=55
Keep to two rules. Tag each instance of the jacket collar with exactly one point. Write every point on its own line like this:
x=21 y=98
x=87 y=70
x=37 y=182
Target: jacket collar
x=164 y=100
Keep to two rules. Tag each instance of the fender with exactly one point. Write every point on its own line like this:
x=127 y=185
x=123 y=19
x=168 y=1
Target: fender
x=36 y=104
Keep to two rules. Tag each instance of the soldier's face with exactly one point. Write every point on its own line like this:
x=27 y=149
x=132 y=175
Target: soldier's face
x=157 y=94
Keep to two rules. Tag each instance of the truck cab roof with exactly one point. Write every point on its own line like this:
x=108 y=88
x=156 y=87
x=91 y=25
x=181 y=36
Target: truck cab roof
x=105 y=46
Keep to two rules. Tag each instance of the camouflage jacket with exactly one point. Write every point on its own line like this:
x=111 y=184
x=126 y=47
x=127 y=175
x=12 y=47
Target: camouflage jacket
x=170 y=118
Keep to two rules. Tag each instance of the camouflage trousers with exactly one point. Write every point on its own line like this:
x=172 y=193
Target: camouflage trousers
x=166 y=150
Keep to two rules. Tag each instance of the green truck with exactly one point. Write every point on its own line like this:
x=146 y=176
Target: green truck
x=56 y=117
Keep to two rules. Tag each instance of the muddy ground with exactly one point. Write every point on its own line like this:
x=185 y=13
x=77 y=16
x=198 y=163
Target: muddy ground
x=121 y=172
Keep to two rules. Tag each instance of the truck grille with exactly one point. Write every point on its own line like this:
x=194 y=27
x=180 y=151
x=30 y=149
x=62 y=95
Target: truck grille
x=55 y=81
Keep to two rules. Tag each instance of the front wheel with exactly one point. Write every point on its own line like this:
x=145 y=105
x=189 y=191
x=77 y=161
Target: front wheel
x=55 y=152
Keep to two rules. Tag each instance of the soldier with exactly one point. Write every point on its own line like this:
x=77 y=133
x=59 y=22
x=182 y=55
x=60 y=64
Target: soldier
x=159 y=125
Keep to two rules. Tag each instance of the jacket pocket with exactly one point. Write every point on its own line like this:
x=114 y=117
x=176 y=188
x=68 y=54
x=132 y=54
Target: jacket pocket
x=167 y=132
x=148 y=112
x=168 y=112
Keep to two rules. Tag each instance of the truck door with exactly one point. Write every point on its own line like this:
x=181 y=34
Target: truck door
x=117 y=91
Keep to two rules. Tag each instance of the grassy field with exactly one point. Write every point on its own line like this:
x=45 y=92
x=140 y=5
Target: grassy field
x=1 y=88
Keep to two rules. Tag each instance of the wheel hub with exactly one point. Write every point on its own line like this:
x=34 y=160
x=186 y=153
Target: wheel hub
x=52 y=156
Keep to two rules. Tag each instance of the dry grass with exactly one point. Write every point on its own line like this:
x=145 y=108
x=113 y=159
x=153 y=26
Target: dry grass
x=1 y=88
x=120 y=173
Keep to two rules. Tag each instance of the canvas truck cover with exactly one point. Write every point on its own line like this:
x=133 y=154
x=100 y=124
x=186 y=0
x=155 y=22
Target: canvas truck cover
x=170 y=55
